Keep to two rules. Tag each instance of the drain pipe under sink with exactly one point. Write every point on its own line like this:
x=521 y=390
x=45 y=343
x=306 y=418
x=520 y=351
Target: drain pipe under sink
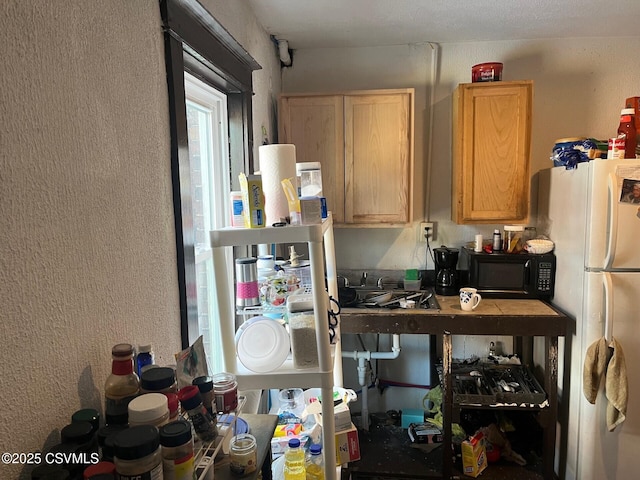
x=362 y=358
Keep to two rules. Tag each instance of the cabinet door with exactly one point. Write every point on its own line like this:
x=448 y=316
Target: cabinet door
x=315 y=126
x=378 y=158
x=492 y=132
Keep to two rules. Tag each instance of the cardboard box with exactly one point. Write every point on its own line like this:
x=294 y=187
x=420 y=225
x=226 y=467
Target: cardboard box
x=347 y=445
x=279 y=444
x=474 y=455
x=341 y=415
x=424 y=433
x=634 y=102
x=252 y=201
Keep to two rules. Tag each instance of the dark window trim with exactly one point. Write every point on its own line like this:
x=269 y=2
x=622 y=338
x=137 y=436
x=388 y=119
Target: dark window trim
x=195 y=42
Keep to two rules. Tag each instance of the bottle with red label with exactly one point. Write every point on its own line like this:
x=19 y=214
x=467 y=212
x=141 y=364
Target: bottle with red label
x=628 y=129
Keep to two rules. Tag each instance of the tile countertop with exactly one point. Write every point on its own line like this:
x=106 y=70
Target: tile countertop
x=491 y=317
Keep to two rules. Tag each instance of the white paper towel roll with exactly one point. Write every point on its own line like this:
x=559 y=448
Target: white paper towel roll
x=277 y=162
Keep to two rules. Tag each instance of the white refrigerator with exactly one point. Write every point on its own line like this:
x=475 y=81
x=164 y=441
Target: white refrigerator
x=591 y=215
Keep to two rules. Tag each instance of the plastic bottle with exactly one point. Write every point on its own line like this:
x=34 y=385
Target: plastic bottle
x=294 y=461
x=177 y=450
x=628 y=129
x=201 y=419
x=137 y=453
x=314 y=463
x=497 y=240
x=144 y=358
x=123 y=384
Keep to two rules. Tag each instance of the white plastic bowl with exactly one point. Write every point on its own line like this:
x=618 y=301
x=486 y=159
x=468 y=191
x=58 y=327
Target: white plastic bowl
x=539 y=246
x=262 y=344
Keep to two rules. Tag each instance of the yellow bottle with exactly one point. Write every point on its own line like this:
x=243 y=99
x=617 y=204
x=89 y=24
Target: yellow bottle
x=294 y=461
x=314 y=463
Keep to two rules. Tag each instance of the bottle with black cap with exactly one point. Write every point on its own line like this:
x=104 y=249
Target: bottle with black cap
x=137 y=453
x=177 y=450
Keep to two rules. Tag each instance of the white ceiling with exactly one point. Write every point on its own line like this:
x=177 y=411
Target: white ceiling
x=342 y=23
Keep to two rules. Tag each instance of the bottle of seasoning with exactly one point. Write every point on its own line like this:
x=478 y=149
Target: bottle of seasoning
x=205 y=386
x=497 y=240
x=144 y=358
x=202 y=421
x=242 y=454
x=137 y=453
x=123 y=384
x=149 y=409
x=627 y=128
x=177 y=450
x=158 y=380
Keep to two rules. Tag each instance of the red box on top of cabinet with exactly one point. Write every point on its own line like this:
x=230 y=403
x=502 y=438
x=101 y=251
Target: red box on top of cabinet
x=634 y=102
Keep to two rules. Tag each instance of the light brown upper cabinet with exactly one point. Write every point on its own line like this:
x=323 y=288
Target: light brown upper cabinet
x=491 y=148
x=364 y=141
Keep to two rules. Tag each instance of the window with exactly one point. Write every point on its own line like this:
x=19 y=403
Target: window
x=217 y=84
x=210 y=185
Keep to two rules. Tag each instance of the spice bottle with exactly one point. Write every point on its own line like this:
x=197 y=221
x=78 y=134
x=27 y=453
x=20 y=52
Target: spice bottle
x=144 y=358
x=205 y=386
x=137 y=453
x=497 y=240
x=177 y=450
x=627 y=128
x=123 y=384
x=202 y=421
x=243 y=454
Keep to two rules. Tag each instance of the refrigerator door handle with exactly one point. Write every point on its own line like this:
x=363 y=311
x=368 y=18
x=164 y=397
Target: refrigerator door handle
x=608 y=305
x=613 y=224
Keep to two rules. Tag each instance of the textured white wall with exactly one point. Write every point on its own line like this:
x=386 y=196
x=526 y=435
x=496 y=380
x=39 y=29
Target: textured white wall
x=87 y=249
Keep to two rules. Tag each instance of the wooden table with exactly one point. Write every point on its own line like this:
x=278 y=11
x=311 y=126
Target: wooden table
x=523 y=319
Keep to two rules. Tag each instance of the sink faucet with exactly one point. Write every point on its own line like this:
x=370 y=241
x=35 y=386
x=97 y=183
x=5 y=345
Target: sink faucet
x=380 y=283
x=345 y=280
x=363 y=279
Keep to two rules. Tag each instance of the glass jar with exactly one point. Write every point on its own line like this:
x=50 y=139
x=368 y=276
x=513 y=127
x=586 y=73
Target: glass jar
x=310 y=174
x=243 y=454
x=137 y=453
x=158 y=380
x=512 y=238
x=177 y=450
x=123 y=385
x=149 y=409
x=225 y=388
x=201 y=419
x=302 y=329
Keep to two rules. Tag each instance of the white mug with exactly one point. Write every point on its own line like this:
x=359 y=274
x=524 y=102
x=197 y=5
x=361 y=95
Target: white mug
x=469 y=298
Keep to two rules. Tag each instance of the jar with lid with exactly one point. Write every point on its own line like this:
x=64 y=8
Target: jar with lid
x=106 y=435
x=137 y=453
x=177 y=450
x=123 y=385
x=302 y=329
x=205 y=386
x=201 y=419
x=144 y=358
x=627 y=128
x=310 y=174
x=158 y=380
x=243 y=454
x=225 y=388
x=512 y=238
x=90 y=415
x=149 y=409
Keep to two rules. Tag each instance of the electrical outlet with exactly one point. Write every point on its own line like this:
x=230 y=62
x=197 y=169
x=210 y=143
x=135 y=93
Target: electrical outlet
x=426 y=228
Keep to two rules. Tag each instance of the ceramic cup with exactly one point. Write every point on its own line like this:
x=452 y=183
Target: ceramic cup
x=469 y=299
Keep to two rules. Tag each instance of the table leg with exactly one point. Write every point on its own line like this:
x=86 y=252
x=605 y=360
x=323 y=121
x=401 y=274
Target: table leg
x=447 y=460
x=551 y=387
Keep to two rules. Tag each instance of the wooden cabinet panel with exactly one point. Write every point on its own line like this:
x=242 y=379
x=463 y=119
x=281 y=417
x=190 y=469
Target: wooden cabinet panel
x=492 y=136
x=364 y=141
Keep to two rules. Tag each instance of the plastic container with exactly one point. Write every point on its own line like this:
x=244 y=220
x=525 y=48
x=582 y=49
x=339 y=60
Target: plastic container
x=294 y=468
x=627 y=128
x=177 y=450
x=237 y=220
x=314 y=463
x=497 y=240
x=243 y=454
x=262 y=345
x=292 y=405
x=205 y=386
x=486 y=72
x=512 y=238
x=137 y=453
x=310 y=174
x=149 y=409
x=302 y=330
x=144 y=358
x=158 y=380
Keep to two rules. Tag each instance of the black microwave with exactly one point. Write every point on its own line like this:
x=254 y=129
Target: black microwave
x=510 y=275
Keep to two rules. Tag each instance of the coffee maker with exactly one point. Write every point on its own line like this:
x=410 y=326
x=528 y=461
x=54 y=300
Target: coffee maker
x=447 y=278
